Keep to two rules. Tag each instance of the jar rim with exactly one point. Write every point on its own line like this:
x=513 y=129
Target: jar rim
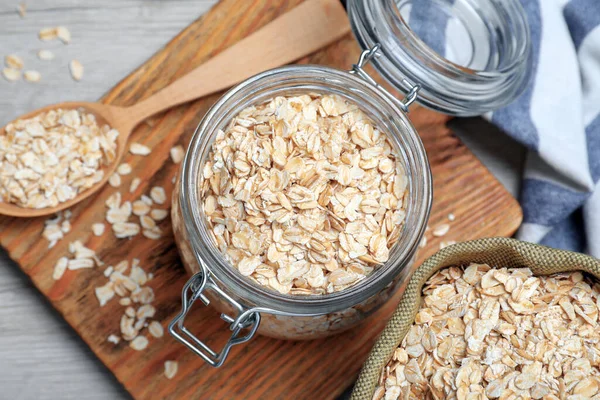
x=446 y=86
x=244 y=94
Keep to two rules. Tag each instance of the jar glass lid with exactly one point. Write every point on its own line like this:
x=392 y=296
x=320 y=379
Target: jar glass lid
x=468 y=56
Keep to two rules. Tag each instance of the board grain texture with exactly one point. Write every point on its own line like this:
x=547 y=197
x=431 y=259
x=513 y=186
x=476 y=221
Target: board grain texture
x=263 y=368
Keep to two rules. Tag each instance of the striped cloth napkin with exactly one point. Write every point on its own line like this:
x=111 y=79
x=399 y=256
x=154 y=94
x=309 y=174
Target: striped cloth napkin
x=557 y=118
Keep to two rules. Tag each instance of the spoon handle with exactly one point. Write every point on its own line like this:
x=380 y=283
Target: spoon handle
x=297 y=33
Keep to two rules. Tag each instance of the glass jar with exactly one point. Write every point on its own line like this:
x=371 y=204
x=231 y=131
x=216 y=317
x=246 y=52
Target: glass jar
x=249 y=308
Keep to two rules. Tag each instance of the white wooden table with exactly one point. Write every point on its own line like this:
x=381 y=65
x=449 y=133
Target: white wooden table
x=41 y=357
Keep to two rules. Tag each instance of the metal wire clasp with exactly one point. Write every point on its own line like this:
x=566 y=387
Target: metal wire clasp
x=195 y=289
x=357 y=69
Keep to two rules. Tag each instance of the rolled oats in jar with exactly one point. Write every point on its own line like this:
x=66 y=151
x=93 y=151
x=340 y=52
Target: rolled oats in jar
x=300 y=204
x=303 y=194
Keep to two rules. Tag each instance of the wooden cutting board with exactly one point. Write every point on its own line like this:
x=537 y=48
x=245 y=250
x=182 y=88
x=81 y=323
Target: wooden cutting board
x=263 y=368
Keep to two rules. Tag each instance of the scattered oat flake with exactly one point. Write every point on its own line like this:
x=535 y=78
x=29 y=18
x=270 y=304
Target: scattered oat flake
x=22 y=9
x=114 y=200
x=140 y=208
x=154 y=233
x=440 y=230
x=45 y=55
x=122 y=266
x=124 y=169
x=60 y=268
x=146 y=199
x=130 y=312
x=125 y=229
x=135 y=183
x=76 y=69
x=53 y=233
x=139 y=149
x=145 y=311
x=98 y=229
x=115 y=180
x=32 y=76
x=81 y=263
x=104 y=293
x=119 y=213
x=158 y=214
x=13 y=61
x=158 y=195
x=171 y=369
x=138 y=275
x=156 y=329
x=11 y=74
x=65 y=226
x=47 y=34
x=113 y=339
x=147 y=222
x=63 y=34
x=139 y=343
x=177 y=154
x=451 y=217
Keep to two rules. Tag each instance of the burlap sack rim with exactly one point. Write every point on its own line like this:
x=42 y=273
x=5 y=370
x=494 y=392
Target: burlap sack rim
x=500 y=252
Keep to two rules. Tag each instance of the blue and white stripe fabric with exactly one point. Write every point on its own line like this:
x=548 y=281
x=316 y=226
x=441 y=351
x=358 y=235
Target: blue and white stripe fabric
x=558 y=119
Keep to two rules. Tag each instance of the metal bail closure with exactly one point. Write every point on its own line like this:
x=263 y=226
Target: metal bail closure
x=357 y=69
x=194 y=289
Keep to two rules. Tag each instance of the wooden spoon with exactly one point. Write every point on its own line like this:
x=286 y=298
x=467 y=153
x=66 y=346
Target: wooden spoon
x=297 y=33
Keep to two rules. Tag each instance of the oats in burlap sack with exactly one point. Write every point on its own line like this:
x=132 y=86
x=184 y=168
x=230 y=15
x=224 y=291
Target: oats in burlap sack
x=499 y=333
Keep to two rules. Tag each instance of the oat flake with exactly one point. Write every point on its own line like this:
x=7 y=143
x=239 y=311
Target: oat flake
x=440 y=230
x=11 y=74
x=113 y=339
x=76 y=69
x=171 y=369
x=22 y=9
x=115 y=180
x=158 y=195
x=13 y=61
x=98 y=229
x=124 y=169
x=45 y=55
x=139 y=149
x=135 y=183
x=139 y=343
x=177 y=154
x=47 y=34
x=63 y=34
x=156 y=329
x=60 y=268
x=159 y=215
x=32 y=76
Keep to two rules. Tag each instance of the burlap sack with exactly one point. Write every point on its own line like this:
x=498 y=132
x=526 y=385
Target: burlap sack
x=497 y=252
